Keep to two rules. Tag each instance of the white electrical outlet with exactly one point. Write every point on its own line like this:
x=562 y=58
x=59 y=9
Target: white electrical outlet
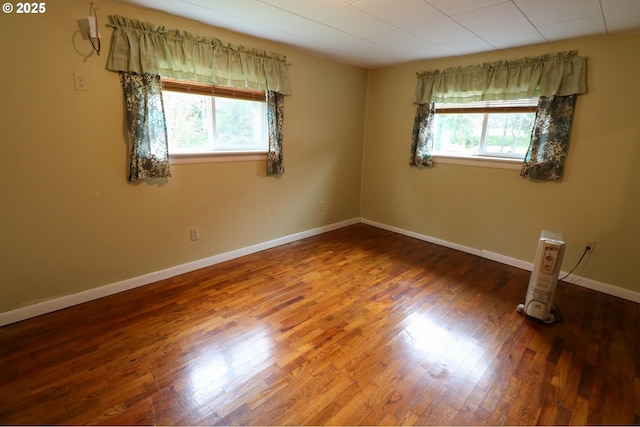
x=195 y=233
x=80 y=81
x=591 y=244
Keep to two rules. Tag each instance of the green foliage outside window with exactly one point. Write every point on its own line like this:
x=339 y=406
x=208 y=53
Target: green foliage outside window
x=201 y=123
x=506 y=133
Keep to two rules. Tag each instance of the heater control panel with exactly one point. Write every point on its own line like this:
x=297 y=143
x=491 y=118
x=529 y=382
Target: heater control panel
x=549 y=259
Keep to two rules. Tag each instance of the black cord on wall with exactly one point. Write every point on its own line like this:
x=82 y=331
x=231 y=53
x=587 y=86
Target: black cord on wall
x=586 y=250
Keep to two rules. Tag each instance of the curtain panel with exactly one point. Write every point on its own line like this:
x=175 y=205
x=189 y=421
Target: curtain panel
x=547 y=152
x=146 y=126
x=559 y=74
x=275 y=118
x=422 y=138
x=145 y=48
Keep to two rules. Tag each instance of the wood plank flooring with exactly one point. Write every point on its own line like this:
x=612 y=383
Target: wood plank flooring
x=359 y=326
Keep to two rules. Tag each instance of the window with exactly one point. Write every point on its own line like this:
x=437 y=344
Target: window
x=484 y=129
x=209 y=120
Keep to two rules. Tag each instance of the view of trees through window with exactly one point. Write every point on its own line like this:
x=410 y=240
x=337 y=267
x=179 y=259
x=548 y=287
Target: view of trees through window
x=501 y=134
x=202 y=123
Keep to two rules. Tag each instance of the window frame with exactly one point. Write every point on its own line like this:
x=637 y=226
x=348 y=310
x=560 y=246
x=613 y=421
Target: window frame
x=484 y=158
x=196 y=88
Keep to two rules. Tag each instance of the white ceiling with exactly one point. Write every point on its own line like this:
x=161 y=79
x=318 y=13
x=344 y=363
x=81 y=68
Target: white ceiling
x=375 y=33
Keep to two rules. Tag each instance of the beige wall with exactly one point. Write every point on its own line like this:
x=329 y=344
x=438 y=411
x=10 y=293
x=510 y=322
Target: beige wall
x=71 y=222
x=497 y=210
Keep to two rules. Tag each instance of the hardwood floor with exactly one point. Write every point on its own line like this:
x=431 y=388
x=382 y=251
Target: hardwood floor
x=359 y=326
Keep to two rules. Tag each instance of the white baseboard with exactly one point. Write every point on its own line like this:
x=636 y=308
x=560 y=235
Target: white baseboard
x=525 y=265
x=429 y=239
x=49 y=306
x=56 y=304
x=605 y=288
x=514 y=262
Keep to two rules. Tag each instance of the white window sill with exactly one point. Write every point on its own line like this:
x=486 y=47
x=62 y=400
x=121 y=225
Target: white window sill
x=479 y=161
x=219 y=157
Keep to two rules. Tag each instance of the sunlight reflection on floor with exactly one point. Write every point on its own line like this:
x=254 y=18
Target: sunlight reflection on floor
x=441 y=348
x=219 y=364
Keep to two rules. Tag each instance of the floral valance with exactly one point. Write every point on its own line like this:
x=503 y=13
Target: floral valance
x=560 y=74
x=142 y=47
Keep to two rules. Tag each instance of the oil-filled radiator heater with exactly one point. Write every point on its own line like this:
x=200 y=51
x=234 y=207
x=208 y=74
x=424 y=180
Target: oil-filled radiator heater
x=544 y=278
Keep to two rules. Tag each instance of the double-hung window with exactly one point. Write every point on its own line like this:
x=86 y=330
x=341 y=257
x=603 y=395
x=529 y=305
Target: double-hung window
x=208 y=122
x=487 y=129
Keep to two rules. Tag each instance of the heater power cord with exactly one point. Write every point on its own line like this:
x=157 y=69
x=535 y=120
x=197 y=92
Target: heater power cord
x=586 y=250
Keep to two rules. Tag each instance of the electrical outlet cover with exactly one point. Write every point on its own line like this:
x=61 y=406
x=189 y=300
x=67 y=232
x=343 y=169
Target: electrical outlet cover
x=591 y=244
x=80 y=81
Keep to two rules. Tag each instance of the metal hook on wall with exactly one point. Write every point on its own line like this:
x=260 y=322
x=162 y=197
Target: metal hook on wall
x=93 y=31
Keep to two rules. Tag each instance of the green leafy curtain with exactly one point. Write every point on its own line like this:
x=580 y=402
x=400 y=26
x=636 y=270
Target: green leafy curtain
x=547 y=152
x=147 y=130
x=142 y=50
x=275 y=116
x=422 y=140
x=555 y=79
